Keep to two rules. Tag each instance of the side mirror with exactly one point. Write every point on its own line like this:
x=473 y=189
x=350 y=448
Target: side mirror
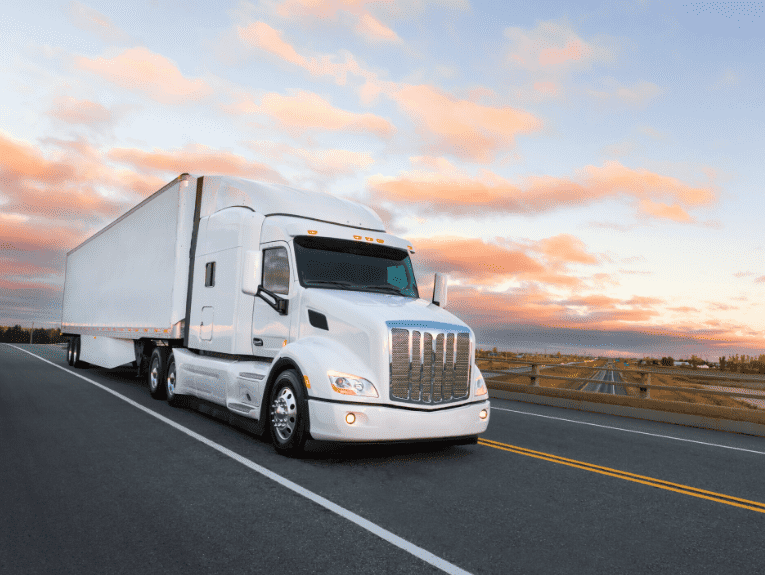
x=439 y=290
x=251 y=272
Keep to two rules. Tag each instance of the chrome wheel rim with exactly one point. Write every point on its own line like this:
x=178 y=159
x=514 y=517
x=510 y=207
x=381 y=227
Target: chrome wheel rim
x=69 y=353
x=171 y=382
x=154 y=375
x=75 y=355
x=284 y=414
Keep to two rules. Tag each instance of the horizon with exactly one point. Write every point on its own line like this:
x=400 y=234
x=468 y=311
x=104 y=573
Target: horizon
x=588 y=174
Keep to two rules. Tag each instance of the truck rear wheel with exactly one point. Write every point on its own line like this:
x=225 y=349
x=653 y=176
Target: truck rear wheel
x=158 y=372
x=287 y=414
x=76 y=354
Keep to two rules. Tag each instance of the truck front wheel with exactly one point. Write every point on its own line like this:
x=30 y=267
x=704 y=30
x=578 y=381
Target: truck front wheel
x=172 y=398
x=76 y=353
x=287 y=417
x=70 y=352
x=158 y=372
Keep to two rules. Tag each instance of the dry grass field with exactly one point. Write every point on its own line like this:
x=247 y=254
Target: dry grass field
x=679 y=377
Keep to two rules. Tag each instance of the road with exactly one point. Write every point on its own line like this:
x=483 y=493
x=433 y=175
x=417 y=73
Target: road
x=99 y=478
x=600 y=382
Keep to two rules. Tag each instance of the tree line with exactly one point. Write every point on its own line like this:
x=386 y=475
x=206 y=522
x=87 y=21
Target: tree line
x=18 y=334
x=743 y=364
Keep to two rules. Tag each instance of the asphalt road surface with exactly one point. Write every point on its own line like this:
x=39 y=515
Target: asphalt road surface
x=96 y=477
x=600 y=383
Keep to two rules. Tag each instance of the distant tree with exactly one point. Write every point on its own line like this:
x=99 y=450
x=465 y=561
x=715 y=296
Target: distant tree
x=722 y=363
x=667 y=361
x=16 y=335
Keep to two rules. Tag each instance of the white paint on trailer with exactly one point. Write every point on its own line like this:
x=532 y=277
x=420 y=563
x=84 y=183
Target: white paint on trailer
x=373 y=528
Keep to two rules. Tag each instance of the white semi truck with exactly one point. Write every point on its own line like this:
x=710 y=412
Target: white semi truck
x=291 y=312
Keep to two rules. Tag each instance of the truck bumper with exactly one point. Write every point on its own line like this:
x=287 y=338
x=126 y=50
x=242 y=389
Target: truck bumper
x=379 y=423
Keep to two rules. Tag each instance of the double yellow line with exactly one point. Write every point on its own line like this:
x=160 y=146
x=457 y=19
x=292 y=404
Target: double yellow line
x=661 y=484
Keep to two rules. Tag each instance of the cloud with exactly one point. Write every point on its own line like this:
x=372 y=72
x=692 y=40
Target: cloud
x=683 y=309
x=91 y=20
x=194 y=158
x=309 y=111
x=451 y=191
x=659 y=210
x=743 y=274
x=554 y=46
x=760 y=279
x=463 y=128
x=85 y=112
x=327 y=162
x=263 y=37
x=495 y=263
x=362 y=16
x=140 y=70
x=371 y=29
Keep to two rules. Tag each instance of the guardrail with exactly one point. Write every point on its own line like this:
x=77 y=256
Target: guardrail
x=534 y=374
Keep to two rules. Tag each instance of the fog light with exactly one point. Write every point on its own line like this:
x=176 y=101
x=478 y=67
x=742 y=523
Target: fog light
x=484 y=414
x=350 y=418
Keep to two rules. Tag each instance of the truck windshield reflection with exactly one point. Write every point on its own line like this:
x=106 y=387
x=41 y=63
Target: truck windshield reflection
x=353 y=265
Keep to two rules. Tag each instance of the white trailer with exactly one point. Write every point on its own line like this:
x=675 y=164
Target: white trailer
x=293 y=312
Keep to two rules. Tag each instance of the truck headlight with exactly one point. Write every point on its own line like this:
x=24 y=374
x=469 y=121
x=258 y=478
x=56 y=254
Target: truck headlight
x=480 y=386
x=351 y=384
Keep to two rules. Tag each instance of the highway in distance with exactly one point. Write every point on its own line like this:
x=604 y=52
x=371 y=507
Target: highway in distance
x=97 y=477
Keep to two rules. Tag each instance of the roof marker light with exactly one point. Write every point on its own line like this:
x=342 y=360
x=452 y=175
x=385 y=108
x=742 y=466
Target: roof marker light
x=370 y=239
x=312 y=232
x=380 y=241
x=356 y=237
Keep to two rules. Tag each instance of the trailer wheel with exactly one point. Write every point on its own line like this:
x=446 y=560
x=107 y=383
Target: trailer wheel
x=172 y=398
x=70 y=352
x=76 y=363
x=287 y=417
x=158 y=372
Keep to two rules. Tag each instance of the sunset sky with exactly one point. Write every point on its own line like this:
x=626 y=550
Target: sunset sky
x=589 y=174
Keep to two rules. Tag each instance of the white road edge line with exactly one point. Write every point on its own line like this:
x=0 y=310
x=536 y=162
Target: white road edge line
x=381 y=532
x=495 y=408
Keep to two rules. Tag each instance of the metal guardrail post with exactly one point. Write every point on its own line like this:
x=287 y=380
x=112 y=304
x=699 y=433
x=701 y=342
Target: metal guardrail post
x=645 y=379
x=534 y=374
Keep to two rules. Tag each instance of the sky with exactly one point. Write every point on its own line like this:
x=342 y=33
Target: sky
x=588 y=174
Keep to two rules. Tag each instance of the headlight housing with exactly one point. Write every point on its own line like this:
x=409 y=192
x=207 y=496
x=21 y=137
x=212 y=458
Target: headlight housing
x=480 y=386
x=348 y=384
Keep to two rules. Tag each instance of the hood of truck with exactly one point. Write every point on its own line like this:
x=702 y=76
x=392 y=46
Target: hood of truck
x=374 y=309
x=359 y=322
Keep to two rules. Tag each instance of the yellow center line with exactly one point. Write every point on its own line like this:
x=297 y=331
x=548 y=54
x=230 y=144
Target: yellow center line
x=659 y=483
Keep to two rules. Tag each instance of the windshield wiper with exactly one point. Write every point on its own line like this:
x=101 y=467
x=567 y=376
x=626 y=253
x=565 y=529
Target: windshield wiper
x=384 y=288
x=339 y=283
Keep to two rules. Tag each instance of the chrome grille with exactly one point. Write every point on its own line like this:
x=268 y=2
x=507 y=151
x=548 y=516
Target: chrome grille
x=429 y=365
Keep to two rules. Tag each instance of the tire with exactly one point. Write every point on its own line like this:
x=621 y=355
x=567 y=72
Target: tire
x=70 y=352
x=158 y=372
x=76 y=363
x=288 y=414
x=170 y=394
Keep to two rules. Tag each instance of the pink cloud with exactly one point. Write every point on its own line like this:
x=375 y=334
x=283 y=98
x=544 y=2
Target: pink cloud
x=194 y=158
x=140 y=70
x=372 y=29
x=463 y=128
x=91 y=20
x=448 y=190
x=659 y=210
x=84 y=112
x=555 y=46
x=309 y=111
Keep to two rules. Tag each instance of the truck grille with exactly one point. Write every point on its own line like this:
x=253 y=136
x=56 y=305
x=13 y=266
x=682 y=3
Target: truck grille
x=429 y=365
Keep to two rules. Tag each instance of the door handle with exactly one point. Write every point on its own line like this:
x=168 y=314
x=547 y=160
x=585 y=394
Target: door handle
x=257 y=341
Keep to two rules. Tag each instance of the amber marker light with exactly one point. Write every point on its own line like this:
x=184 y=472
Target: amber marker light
x=484 y=414
x=307 y=382
x=356 y=237
x=313 y=232
x=350 y=418
x=284 y=343
x=380 y=241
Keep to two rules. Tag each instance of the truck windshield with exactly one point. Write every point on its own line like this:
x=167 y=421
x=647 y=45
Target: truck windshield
x=352 y=265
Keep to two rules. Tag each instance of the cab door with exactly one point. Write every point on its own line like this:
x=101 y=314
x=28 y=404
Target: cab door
x=270 y=328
